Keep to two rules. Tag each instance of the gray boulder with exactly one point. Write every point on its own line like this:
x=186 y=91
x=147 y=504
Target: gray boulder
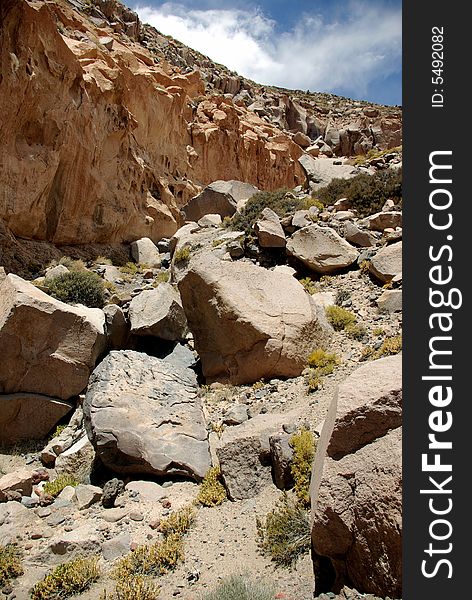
x=269 y=230
x=144 y=415
x=221 y=198
x=387 y=263
x=145 y=252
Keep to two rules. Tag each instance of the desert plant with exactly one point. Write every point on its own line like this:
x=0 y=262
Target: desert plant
x=356 y=331
x=240 y=587
x=309 y=285
x=391 y=345
x=150 y=559
x=78 y=287
x=55 y=487
x=59 y=429
x=280 y=201
x=72 y=264
x=133 y=588
x=178 y=522
x=10 y=563
x=303 y=445
x=323 y=361
x=339 y=317
x=212 y=492
x=182 y=254
x=161 y=277
x=284 y=534
x=68 y=579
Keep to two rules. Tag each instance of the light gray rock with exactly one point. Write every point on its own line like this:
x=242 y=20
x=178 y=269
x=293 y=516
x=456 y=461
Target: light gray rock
x=148 y=490
x=220 y=197
x=53 y=272
x=144 y=415
x=86 y=495
x=321 y=249
x=357 y=236
x=145 y=252
x=158 y=313
x=387 y=263
x=26 y=416
x=48 y=347
x=384 y=220
x=116 y=547
x=269 y=230
x=281 y=457
x=20 y=480
x=322 y=171
x=301 y=218
x=248 y=322
x=236 y=415
x=210 y=221
x=67 y=545
x=77 y=460
x=390 y=301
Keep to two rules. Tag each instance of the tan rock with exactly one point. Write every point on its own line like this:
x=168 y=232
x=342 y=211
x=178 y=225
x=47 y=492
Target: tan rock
x=390 y=301
x=387 y=263
x=48 y=347
x=220 y=197
x=16 y=481
x=321 y=249
x=385 y=220
x=145 y=252
x=249 y=323
x=269 y=230
x=77 y=460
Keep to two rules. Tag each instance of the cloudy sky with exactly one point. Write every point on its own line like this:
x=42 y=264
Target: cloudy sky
x=347 y=47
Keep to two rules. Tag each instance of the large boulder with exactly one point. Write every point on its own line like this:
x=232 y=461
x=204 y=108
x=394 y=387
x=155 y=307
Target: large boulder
x=48 y=347
x=269 y=230
x=145 y=252
x=248 y=322
x=25 y=416
x=387 y=263
x=321 y=249
x=158 y=313
x=221 y=198
x=356 y=486
x=143 y=415
x=321 y=171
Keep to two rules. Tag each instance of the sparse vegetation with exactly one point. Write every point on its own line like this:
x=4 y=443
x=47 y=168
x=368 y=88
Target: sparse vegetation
x=356 y=331
x=182 y=254
x=59 y=429
x=78 y=287
x=309 y=285
x=10 y=563
x=321 y=363
x=55 y=487
x=340 y=317
x=212 y=492
x=72 y=264
x=102 y=260
x=68 y=579
x=179 y=522
x=367 y=193
x=284 y=535
x=133 y=588
x=239 y=587
x=130 y=268
x=162 y=277
x=303 y=445
x=390 y=346
x=150 y=560
x=281 y=202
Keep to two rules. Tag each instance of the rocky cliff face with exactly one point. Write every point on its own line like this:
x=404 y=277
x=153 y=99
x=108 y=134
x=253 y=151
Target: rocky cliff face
x=108 y=128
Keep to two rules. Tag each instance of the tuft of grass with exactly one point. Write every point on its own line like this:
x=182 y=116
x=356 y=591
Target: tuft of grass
x=378 y=331
x=162 y=277
x=364 y=267
x=356 y=332
x=59 y=429
x=284 y=535
x=321 y=363
x=103 y=260
x=340 y=317
x=72 y=264
x=67 y=580
x=178 y=522
x=390 y=346
x=10 y=563
x=182 y=255
x=55 y=487
x=310 y=201
x=258 y=385
x=133 y=588
x=240 y=587
x=130 y=268
x=309 y=285
x=151 y=560
x=281 y=202
x=303 y=445
x=212 y=492
x=78 y=287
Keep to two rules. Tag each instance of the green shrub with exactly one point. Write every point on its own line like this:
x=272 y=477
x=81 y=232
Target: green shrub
x=212 y=492
x=182 y=254
x=323 y=361
x=239 y=587
x=391 y=345
x=55 y=487
x=67 y=580
x=309 y=285
x=280 y=201
x=150 y=559
x=78 y=287
x=162 y=277
x=355 y=331
x=339 y=317
x=133 y=588
x=367 y=193
x=303 y=445
x=178 y=522
x=284 y=535
x=10 y=563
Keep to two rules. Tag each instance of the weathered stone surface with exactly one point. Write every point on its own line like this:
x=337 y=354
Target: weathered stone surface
x=26 y=416
x=269 y=230
x=321 y=249
x=387 y=263
x=324 y=299
x=145 y=252
x=302 y=140
x=77 y=460
x=301 y=218
x=48 y=347
x=236 y=415
x=357 y=236
x=248 y=322
x=116 y=326
x=116 y=547
x=20 y=480
x=143 y=415
x=210 y=221
x=390 y=301
x=53 y=272
x=220 y=198
x=148 y=490
x=244 y=455
x=159 y=313
x=82 y=541
x=322 y=171
x=68 y=436
x=111 y=490
x=281 y=457
x=86 y=495
x=356 y=481
x=384 y=220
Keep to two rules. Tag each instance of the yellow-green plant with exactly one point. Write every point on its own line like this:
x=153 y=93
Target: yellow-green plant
x=151 y=559
x=182 y=254
x=67 y=580
x=10 y=563
x=303 y=445
x=308 y=284
x=212 y=492
x=339 y=317
x=135 y=587
x=55 y=487
x=178 y=522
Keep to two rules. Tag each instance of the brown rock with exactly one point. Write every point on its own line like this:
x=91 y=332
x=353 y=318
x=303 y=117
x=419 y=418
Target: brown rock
x=249 y=323
x=48 y=347
x=17 y=481
x=385 y=220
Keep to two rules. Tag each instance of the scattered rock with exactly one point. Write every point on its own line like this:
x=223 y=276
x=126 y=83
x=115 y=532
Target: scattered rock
x=77 y=460
x=145 y=252
x=357 y=236
x=384 y=220
x=148 y=490
x=281 y=457
x=16 y=481
x=387 y=263
x=269 y=230
x=390 y=301
x=210 y=221
x=221 y=198
x=86 y=495
x=116 y=326
x=53 y=272
x=116 y=547
x=236 y=415
x=111 y=490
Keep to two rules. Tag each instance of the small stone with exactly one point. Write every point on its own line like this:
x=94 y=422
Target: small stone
x=136 y=516
x=113 y=515
x=43 y=512
x=86 y=495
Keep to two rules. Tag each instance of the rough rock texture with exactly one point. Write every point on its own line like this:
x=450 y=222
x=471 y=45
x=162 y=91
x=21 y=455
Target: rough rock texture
x=220 y=198
x=322 y=171
x=385 y=219
x=48 y=347
x=357 y=236
x=321 y=249
x=26 y=416
x=145 y=252
x=356 y=482
x=77 y=460
x=249 y=323
x=159 y=313
x=387 y=263
x=21 y=481
x=269 y=230
x=143 y=416
x=103 y=145
x=390 y=301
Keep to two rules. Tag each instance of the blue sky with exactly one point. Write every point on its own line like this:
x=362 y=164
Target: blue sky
x=346 y=47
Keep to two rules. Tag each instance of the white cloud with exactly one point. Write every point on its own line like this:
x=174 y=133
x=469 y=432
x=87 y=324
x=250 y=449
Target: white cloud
x=345 y=54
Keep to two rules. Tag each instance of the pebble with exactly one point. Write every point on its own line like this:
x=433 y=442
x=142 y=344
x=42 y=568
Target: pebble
x=136 y=516
x=43 y=512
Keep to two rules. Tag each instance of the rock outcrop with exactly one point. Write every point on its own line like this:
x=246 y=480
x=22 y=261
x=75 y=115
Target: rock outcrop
x=356 y=483
x=249 y=323
x=143 y=415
